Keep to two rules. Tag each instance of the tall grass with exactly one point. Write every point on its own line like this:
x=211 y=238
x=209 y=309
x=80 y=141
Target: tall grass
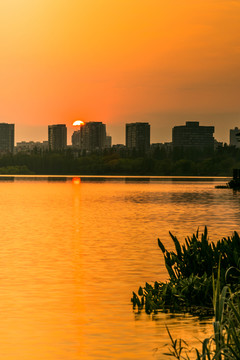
x=190 y=268
x=199 y=256
x=224 y=344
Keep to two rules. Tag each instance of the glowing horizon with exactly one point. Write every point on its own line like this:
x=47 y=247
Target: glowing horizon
x=118 y=62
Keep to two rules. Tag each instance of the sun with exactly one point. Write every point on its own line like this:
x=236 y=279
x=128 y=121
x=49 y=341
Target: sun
x=78 y=123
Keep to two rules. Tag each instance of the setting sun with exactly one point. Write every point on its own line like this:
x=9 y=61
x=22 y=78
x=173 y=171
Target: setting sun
x=78 y=123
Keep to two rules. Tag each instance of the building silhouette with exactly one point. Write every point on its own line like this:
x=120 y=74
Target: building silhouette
x=57 y=137
x=29 y=146
x=108 y=143
x=138 y=136
x=192 y=135
x=91 y=137
x=76 y=137
x=6 y=138
x=235 y=137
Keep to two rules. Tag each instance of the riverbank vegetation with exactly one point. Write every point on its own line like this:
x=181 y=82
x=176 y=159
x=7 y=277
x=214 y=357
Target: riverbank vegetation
x=158 y=162
x=191 y=268
x=204 y=279
x=224 y=343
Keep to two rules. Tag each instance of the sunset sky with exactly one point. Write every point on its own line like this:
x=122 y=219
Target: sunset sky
x=165 y=62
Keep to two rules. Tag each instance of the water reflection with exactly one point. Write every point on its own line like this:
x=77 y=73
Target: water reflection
x=174 y=197
x=7 y=178
x=126 y=179
x=57 y=178
x=192 y=197
x=94 y=179
x=137 y=180
x=194 y=179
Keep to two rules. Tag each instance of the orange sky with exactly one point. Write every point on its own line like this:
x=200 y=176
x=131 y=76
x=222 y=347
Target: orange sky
x=119 y=61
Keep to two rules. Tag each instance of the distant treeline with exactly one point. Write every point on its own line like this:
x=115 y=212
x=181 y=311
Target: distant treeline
x=177 y=162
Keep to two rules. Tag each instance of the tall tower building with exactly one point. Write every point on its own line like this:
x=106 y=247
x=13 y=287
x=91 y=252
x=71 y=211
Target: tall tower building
x=108 y=143
x=235 y=137
x=6 y=137
x=138 y=136
x=192 y=135
x=76 y=139
x=90 y=137
x=57 y=137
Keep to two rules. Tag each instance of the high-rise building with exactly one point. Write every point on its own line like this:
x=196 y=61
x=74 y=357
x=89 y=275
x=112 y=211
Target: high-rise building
x=6 y=137
x=57 y=137
x=108 y=143
x=192 y=135
x=138 y=136
x=90 y=137
x=76 y=137
x=235 y=137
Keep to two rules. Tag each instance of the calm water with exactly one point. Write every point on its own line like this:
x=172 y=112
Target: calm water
x=71 y=254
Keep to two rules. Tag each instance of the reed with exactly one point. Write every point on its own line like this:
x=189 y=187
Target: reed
x=224 y=344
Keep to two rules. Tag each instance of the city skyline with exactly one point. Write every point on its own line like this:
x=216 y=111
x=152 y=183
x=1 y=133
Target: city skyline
x=119 y=62
x=40 y=133
x=74 y=135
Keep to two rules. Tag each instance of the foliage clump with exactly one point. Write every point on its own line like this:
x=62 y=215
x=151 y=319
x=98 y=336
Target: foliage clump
x=191 y=268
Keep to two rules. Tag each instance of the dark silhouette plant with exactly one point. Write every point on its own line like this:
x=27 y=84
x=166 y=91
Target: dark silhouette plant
x=199 y=256
x=191 y=268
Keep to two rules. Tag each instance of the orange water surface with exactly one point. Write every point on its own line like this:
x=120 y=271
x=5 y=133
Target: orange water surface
x=72 y=252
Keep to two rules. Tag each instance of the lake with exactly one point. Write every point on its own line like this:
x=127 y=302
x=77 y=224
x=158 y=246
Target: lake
x=73 y=251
